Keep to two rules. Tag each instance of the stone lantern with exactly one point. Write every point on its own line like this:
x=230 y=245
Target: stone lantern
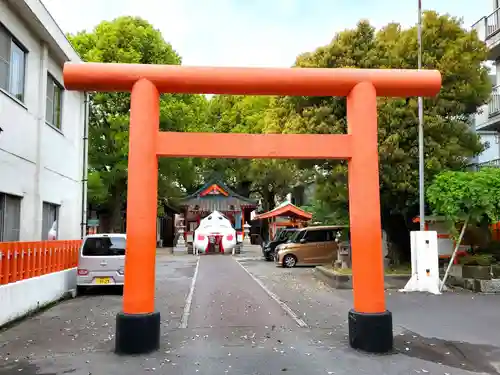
x=180 y=246
x=246 y=238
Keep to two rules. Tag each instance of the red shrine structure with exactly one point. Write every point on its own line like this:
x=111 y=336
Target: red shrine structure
x=216 y=196
x=286 y=215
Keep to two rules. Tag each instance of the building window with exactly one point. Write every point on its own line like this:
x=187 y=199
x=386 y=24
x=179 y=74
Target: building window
x=50 y=228
x=10 y=217
x=12 y=65
x=53 y=110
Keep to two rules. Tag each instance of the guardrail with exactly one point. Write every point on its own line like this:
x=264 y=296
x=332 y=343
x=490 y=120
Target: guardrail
x=24 y=260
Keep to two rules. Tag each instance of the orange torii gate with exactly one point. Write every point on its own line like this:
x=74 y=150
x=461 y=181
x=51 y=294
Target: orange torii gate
x=138 y=326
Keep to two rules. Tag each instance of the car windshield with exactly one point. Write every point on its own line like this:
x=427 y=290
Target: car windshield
x=104 y=246
x=277 y=235
x=296 y=236
x=287 y=234
x=281 y=235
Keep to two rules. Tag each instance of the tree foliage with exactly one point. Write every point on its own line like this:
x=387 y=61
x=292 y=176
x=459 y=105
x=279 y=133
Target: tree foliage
x=458 y=54
x=466 y=195
x=455 y=52
x=466 y=198
x=131 y=40
x=267 y=179
x=323 y=214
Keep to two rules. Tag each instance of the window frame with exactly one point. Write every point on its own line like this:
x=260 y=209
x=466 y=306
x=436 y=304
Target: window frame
x=3 y=212
x=18 y=44
x=315 y=232
x=45 y=231
x=55 y=84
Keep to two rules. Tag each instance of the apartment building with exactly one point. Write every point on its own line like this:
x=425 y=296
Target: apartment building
x=42 y=148
x=487 y=120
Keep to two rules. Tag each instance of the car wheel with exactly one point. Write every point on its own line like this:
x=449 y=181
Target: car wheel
x=289 y=261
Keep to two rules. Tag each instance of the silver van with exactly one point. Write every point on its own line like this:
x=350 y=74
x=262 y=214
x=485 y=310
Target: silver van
x=101 y=261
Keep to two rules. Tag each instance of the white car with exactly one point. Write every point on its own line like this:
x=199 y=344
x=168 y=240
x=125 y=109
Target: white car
x=101 y=261
x=215 y=234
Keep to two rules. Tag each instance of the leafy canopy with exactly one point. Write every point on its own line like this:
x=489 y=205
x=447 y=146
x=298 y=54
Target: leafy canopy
x=461 y=195
x=132 y=40
x=457 y=53
x=268 y=179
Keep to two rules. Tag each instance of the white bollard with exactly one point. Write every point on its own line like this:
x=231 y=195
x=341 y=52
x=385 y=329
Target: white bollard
x=424 y=263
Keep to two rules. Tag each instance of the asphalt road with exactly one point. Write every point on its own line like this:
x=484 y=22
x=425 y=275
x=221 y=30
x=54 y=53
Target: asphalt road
x=233 y=326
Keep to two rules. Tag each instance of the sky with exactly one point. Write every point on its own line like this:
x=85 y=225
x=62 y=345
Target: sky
x=254 y=32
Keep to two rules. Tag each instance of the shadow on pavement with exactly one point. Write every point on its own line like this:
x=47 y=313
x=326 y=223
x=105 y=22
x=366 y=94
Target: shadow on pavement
x=462 y=355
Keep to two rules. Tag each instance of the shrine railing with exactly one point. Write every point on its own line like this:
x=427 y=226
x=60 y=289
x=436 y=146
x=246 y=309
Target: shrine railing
x=24 y=260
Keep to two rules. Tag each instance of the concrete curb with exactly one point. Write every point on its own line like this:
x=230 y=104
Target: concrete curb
x=338 y=280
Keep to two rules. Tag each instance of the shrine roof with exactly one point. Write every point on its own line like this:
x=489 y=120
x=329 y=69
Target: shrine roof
x=214 y=189
x=285 y=209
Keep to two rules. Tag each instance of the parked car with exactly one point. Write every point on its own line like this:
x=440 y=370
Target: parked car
x=309 y=246
x=283 y=236
x=101 y=261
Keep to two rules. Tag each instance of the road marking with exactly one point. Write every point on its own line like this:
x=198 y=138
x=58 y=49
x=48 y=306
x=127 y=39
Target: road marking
x=283 y=305
x=189 y=299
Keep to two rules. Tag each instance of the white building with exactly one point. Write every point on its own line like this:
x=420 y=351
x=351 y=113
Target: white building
x=42 y=144
x=487 y=121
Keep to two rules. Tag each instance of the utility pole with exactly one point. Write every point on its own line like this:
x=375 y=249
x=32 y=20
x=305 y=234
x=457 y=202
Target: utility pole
x=421 y=164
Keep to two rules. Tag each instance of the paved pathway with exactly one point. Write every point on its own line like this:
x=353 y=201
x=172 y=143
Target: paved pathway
x=233 y=326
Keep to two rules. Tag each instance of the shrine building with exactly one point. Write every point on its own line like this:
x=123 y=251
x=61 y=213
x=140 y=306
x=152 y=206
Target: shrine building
x=216 y=196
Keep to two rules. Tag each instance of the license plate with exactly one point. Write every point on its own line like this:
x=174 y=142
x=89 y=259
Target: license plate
x=103 y=280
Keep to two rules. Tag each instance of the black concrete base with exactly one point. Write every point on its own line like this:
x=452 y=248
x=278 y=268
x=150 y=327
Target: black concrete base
x=371 y=332
x=137 y=333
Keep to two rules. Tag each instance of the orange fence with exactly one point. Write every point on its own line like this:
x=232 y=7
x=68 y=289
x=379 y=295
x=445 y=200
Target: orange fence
x=23 y=260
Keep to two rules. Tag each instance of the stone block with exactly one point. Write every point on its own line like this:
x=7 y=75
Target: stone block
x=476 y=272
x=341 y=281
x=180 y=250
x=495 y=271
x=490 y=286
x=456 y=271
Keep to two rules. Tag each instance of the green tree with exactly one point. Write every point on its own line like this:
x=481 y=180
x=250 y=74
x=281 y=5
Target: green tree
x=266 y=179
x=323 y=214
x=457 y=53
x=131 y=40
x=465 y=198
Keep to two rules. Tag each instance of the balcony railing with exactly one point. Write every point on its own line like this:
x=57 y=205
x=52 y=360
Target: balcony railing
x=475 y=167
x=494 y=103
x=492 y=24
x=495 y=163
x=488 y=26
